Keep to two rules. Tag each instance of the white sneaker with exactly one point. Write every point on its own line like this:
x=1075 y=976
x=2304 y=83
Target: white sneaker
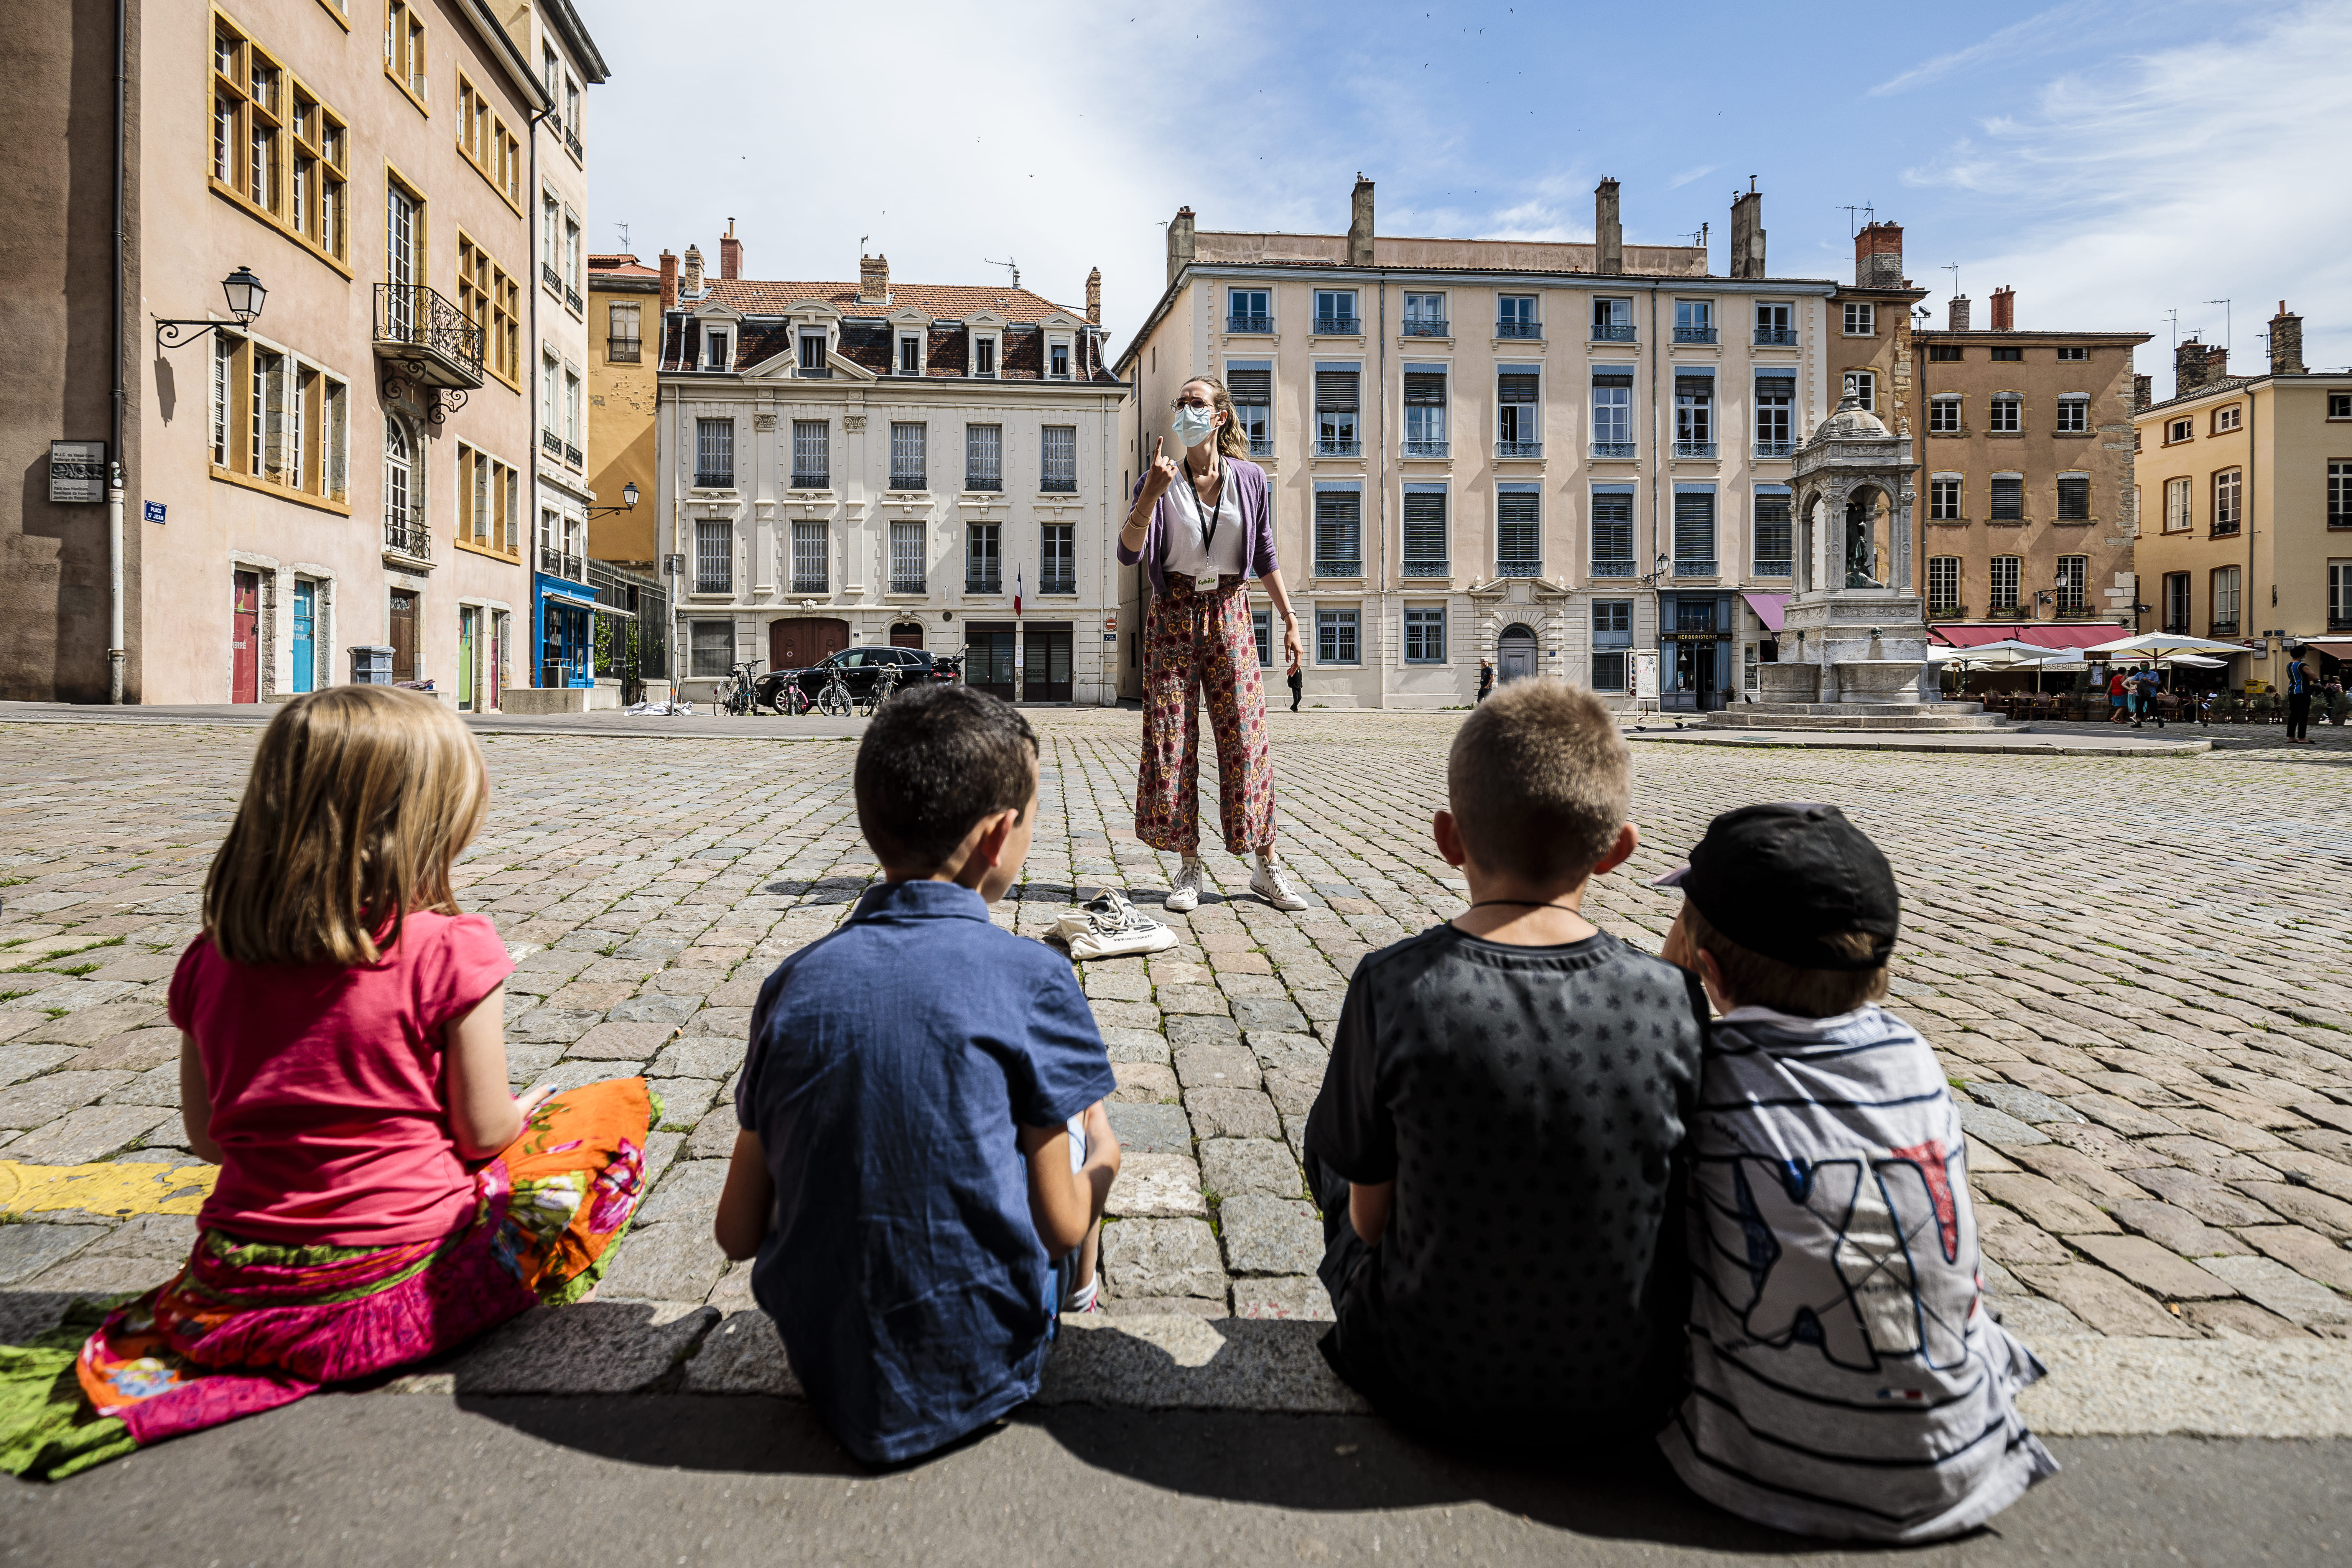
x=1185 y=895
x=1268 y=883
x=1110 y=927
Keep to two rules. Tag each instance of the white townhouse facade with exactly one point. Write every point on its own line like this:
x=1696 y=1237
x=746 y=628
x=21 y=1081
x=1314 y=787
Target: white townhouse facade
x=1567 y=458
x=855 y=463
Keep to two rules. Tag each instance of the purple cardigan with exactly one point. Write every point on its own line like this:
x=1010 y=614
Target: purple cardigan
x=1257 y=518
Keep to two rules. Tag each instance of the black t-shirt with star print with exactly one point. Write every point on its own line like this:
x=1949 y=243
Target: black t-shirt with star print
x=1530 y=1103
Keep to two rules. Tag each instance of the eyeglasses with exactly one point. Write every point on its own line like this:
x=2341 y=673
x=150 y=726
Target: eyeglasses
x=1194 y=402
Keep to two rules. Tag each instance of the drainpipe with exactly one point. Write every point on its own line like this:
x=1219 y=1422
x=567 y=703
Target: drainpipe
x=115 y=652
x=1658 y=466
x=1381 y=283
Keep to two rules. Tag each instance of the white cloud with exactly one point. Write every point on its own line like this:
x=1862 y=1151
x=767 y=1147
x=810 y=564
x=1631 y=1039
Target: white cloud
x=2044 y=29
x=2172 y=178
x=1676 y=182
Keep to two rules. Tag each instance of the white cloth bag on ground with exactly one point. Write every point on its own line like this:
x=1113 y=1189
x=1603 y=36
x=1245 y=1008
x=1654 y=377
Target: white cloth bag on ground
x=1110 y=927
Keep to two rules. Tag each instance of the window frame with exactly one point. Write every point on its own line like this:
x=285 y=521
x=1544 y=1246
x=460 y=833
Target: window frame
x=1864 y=384
x=2229 y=419
x=1946 y=498
x=1998 y=569
x=312 y=405
x=808 y=478
x=1944 y=598
x=310 y=151
x=1339 y=628
x=1419 y=622
x=1863 y=311
x=714 y=556
x=2072 y=583
x=1613 y=642
x=2226 y=494
x=1057 y=473
x=705 y=446
x=973 y=441
x=2215 y=579
x=2073 y=413
x=1948 y=414
x=2179 y=504
x=910 y=455
x=2005 y=414
x=407 y=53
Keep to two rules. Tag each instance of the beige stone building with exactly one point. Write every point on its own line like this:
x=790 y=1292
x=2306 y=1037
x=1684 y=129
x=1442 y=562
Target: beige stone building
x=1565 y=458
x=350 y=467
x=2246 y=482
x=624 y=304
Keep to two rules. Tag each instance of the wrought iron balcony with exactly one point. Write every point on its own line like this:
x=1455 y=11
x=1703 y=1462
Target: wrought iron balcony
x=1775 y=448
x=2078 y=612
x=1249 y=323
x=984 y=583
x=1612 y=332
x=550 y=443
x=2178 y=625
x=904 y=583
x=1694 y=335
x=1427 y=566
x=1519 y=567
x=1518 y=449
x=1428 y=448
x=557 y=563
x=572 y=298
x=983 y=481
x=572 y=455
x=1327 y=448
x=1695 y=566
x=1614 y=567
x=908 y=480
x=1767 y=567
x=432 y=340
x=1261 y=445
x=1425 y=328
x=571 y=140
x=812 y=480
x=1519 y=329
x=810 y=582
x=1059 y=485
x=1695 y=449
x=1615 y=449
x=405 y=534
x=1056 y=584
x=623 y=350
x=1338 y=566
x=550 y=277
x=714 y=479
x=1338 y=327
x=1770 y=337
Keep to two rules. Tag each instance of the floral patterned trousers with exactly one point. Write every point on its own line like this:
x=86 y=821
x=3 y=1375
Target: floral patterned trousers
x=1195 y=644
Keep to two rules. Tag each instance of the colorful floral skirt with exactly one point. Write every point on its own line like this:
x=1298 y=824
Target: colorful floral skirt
x=247 y=1326
x=1197 y=645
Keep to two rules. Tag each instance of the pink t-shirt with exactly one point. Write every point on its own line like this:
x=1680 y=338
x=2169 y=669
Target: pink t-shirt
x=327 y=1099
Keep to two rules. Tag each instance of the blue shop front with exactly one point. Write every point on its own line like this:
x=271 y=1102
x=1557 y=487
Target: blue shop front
x=1696 y=669
x=563 y=616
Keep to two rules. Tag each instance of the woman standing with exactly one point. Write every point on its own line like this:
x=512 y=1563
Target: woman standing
x=1202 y=531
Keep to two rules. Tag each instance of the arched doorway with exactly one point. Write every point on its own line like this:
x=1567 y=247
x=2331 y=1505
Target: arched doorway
x=1515 y=652
x=800 y=642
x=906 y=634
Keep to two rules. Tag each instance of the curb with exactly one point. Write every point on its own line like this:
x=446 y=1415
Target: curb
x=1831 y=740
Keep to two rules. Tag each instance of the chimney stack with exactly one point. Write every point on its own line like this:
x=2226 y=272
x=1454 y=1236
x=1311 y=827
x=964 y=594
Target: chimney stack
x=1957 y=319
x=1748 y=233
x=1093 y=297
x=730 y=253
x=2286 y=344
x=1878 y=256
x=690 y=280
x=2188 y=372
x=2004 y=309
x=873 y=280
x=2143 y=392
x=670 y=280
x=1360 y=223
x=1180 y=242
x=2217 y=364
x=1608 y=234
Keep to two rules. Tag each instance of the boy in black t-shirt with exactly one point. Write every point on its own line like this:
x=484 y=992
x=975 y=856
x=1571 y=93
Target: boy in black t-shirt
x=1496 y=1148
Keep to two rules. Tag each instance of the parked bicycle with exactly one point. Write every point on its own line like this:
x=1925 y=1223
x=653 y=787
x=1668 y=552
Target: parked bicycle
x=886 y=681
x=735 y=696
x=835 y=701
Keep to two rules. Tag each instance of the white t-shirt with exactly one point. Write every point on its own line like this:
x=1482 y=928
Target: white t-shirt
x=1187 y=557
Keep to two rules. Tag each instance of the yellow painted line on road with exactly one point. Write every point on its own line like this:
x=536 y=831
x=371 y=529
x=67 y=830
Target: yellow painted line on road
x=123 y=1188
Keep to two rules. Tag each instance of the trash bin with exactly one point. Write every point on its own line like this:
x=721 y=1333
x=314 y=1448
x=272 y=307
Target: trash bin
x=371 y=666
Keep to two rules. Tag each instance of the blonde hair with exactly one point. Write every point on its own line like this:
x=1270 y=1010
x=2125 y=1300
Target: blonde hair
x=1232 y=441
x=1541 y=780
x=1750 y=979
x=360 y=801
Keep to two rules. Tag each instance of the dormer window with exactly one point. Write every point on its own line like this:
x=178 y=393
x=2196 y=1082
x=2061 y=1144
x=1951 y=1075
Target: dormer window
x=812 y=357
x=984 y=356
x=1058 y=361
x=718 y=349
x=910 y=355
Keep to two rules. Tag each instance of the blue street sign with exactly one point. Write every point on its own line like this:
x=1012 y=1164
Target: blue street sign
x=154 y=511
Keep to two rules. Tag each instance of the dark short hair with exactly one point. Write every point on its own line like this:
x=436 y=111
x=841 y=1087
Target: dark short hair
x=1753 y=980
x=935 y=761
x=1541 y=780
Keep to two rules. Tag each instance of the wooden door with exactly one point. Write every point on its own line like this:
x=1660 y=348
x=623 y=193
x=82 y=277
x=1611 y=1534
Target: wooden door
x=305 y=627
x=1046 y=667
x=401 y=634
x=1516 y=651
x=468 y=618
x=906 y=634
x=798 y=643
x=988 y=660
x=245 y=640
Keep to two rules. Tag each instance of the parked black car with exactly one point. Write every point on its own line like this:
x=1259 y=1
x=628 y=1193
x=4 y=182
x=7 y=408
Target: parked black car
x=858 y=667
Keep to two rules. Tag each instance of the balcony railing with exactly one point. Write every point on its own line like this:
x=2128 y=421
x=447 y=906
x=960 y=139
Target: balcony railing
x=407 y=534
x=983 y=481
x=1614 y=567
x=550 y=443
x=908 y=582
x=2077 y=612
x=431 y=338
x=1518 y=449
x=812 y=480
x=1939 y=607
x=810 y=582
x=1768 y=566
x=1695 y=566
x=1338 y=327
x=1775 y=448
x=2004 y=611
x=1428 y=448
x=1519 y=329
x=908 y=480
x=714 y=479
x=1695 y=449
x=1325 y=447
x=1057 y=583
x=623 y=350
x=571 y=140
x=2178 y=625
x=1427 y=566
x=983 y=582
x=1060 y=484
x=1249 y=323
x=550 y=277
x=1261 y=445
x=1425 y=328
x=1526 y=566
x=556 y=563
x=1694 y=335
x=572 y=455
x=1612 y=332
x=572 y=298
x=1338 y=566
x=1615 y=448
x=1777 y=336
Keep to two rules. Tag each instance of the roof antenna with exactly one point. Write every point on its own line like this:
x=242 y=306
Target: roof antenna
x=1954 y=269
x=624 y=235
x=2174 y=318
x=1869 y=213
x=2226 y=340
x=1013 y=265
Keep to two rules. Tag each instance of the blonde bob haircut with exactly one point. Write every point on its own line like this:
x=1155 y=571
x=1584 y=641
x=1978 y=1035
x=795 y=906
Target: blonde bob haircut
x=1232 y=441
x=361 y=799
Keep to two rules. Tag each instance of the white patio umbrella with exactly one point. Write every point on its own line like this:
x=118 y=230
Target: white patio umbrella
x=2007 y=654
x=2155 y=645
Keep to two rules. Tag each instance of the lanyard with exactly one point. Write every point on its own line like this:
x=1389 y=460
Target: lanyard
x=1215 y=513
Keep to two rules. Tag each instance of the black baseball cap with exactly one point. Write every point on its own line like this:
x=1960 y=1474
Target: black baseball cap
x=1778 y=879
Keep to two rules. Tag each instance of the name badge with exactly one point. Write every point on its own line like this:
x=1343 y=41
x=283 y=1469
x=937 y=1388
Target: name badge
x=1205 y=582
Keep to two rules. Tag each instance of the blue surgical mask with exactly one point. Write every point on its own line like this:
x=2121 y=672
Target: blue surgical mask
x=1194 y=425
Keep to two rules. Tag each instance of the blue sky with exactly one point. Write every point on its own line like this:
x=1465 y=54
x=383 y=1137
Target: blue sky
x=2112 y=161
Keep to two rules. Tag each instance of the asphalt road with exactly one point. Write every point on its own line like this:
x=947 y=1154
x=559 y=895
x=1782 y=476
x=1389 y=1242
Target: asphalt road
x=350 y=1481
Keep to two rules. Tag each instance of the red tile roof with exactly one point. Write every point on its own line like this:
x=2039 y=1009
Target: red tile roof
x=952 y=301
x=622 y=266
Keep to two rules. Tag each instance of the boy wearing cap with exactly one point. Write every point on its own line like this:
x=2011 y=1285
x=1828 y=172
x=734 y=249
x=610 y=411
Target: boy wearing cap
x=1495 y=1148
x=1845 y=1379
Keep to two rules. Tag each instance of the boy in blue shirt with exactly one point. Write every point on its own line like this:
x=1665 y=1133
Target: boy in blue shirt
x=924 y=1154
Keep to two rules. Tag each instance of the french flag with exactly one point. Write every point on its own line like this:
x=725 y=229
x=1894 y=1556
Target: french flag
x=1016 y=593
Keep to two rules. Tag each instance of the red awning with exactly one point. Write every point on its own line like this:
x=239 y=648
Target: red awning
x=2333 y=647
x=2041 y=634
x=1769 y=608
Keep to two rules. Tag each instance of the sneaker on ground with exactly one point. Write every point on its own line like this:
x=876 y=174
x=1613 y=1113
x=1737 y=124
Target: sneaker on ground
x=1268 y=883
x=1110 y=927
x=1185 y=893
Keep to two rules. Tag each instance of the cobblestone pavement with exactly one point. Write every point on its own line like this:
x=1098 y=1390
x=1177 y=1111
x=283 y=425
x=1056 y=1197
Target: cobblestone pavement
x=2135 y=970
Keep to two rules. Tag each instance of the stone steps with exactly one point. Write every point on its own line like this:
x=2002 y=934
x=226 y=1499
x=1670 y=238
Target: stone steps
x=1873 y=716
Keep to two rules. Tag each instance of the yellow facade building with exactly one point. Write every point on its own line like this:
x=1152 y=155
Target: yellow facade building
x=625 y=300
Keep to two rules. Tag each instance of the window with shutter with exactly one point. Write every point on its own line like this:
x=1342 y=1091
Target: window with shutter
x=1251 y=382
x=1518 y=430
x=1519 y=531
x=1612 y=530
x=1335 y=391
x=2009 y=498
x=1057 y=558
x=1694 y=416
x=2073 y=497
x=1424 y=532
x=1776 y=398
x=1424 y=412
x=714 y=453
x=1336 y=398
x=1424 y=389
x=1613 y=413
x=1772 y=531
x=1339 y=532
x=1694 y=532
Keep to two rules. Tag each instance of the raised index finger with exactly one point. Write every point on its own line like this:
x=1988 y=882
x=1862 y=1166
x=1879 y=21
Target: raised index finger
x=1159 y=446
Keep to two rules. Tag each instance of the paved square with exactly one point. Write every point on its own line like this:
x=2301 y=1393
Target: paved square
x=2134 y=969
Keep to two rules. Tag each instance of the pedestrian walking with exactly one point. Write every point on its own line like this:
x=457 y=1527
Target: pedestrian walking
x=2144 y=685
x=1297 y=687
x=1202 y=529
x=1485 y=678
x=2298 y=700
x=2118 y=694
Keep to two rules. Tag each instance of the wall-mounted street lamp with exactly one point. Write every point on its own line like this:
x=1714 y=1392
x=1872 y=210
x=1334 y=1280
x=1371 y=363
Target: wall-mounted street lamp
x=246 y=296
x=628 y=498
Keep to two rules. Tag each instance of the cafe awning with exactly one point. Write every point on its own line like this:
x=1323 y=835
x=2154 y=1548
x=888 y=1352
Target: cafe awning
x=1770 y=609
x=2041 y=634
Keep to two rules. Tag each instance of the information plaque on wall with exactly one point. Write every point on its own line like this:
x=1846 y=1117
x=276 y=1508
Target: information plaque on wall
x=77 y=472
